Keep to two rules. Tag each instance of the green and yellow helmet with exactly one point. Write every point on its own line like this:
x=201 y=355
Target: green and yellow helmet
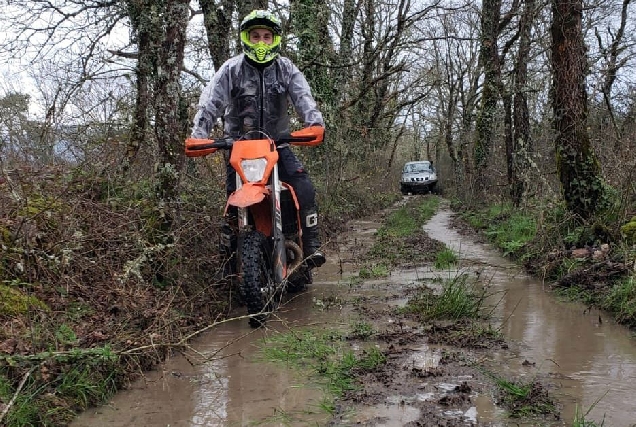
x=260 y=52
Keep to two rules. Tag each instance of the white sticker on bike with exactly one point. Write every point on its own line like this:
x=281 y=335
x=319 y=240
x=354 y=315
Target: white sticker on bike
x=311 y=220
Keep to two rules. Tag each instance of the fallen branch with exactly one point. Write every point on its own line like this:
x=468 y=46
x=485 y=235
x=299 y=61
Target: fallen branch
x=71 y=355
x=6 y=409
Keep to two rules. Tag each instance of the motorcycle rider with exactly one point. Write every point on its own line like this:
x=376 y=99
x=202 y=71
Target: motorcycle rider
x=252 y=92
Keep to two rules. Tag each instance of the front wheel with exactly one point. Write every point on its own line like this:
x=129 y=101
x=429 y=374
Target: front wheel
x=258 y=289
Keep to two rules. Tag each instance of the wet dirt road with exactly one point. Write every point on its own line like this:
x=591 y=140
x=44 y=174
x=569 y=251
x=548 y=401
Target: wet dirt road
x=588 y=362
x=590 y=358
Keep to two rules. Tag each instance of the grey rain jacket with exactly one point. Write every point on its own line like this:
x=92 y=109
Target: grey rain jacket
x=249 y=99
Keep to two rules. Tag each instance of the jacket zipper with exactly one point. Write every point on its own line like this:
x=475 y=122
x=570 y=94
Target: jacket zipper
x=261 y=123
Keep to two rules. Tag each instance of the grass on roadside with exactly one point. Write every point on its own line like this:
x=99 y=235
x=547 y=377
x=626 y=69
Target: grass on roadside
x=621 y=300
x=509 y=229
x=44 y=397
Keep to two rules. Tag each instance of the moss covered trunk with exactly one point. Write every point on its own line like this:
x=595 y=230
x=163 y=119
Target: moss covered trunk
x=577 y=165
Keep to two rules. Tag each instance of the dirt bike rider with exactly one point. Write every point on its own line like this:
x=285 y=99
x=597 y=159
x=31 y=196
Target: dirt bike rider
x=252 y=91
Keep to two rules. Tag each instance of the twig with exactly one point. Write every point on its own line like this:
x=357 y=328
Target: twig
x=5 y=411
x=187 y=338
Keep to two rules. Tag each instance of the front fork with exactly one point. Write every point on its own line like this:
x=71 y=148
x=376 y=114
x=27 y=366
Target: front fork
x=275 y=236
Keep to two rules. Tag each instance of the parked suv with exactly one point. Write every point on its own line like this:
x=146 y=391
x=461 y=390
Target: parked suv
x=418 y=177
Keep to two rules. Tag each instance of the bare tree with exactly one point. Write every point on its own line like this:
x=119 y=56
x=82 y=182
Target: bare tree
x=492 y=25
x=157 y=31
x=611 y=55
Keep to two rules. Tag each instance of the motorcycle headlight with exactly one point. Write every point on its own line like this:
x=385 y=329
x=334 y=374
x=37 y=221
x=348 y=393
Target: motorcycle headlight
x=254 y=169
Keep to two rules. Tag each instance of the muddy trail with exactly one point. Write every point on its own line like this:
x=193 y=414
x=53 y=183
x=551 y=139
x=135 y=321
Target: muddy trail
x=437 y=373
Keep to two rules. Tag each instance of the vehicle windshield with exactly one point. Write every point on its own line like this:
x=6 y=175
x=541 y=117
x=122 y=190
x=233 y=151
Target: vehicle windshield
x=418 y=167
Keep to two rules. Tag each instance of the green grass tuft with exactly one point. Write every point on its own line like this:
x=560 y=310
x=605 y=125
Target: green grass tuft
x=458 y=300
x=445 y=259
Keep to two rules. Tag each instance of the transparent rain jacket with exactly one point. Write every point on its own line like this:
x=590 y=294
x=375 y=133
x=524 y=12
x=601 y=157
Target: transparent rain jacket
x=250 y=99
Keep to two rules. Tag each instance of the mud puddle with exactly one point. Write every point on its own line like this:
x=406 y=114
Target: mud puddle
x=586 y=362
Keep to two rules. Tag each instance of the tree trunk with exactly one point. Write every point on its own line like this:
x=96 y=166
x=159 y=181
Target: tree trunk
x=508 y=137
x=218 y=26
x=351 y=10
x=489 y=58
x=310 y=21
x=169 y=119
x=521 y=148
x=577 y=165
x=142 y=23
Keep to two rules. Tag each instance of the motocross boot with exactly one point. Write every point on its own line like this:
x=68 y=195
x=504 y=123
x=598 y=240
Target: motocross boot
x=314 y=257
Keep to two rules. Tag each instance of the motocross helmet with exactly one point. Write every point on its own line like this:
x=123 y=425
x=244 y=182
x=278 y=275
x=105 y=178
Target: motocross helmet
x=261 y=52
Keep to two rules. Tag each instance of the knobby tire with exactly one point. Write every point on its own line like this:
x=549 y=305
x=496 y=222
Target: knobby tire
x=255 y=277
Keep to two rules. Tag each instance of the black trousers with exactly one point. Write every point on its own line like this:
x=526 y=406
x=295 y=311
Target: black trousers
x=291 y=171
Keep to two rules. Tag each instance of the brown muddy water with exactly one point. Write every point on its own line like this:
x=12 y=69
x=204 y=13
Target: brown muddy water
x=590 y=360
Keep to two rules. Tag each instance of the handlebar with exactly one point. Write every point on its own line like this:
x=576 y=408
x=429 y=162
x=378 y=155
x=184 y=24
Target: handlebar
x=310 y=136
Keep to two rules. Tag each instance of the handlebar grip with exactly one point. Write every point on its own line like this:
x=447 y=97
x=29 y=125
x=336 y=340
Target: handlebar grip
x=309 y=136
x=197 y=147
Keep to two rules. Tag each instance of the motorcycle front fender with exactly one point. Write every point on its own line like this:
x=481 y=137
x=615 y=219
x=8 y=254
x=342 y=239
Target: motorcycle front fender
x=249 y=194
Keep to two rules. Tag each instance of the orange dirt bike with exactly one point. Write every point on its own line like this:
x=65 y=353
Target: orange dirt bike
x=269 y=244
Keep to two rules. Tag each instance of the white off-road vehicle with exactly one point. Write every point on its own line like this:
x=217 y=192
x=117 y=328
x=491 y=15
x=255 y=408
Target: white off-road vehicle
x=418 y=177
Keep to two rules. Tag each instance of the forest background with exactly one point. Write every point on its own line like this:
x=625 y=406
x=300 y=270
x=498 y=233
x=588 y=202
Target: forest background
x=110 y=235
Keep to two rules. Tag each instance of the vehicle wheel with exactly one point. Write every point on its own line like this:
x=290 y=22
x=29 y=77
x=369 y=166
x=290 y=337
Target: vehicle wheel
x=404 y=191
x=257 y=287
